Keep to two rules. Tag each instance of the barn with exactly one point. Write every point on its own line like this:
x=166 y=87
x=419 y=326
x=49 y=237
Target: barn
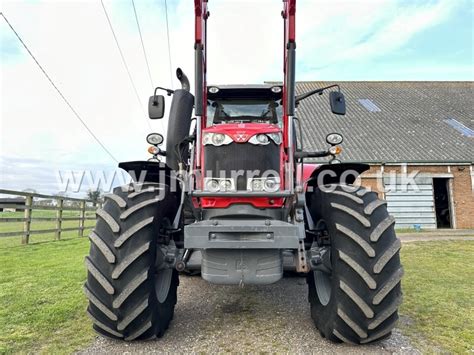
x=11 y=204
x=417 y=137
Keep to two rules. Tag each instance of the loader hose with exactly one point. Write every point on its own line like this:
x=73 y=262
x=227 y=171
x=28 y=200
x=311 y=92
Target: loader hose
x=183 y=79
x=181 y=146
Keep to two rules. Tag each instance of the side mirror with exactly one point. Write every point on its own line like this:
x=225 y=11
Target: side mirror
x=156 y=107
x=338 y=102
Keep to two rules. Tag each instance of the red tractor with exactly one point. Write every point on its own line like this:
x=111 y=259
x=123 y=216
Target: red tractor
x=236 y=202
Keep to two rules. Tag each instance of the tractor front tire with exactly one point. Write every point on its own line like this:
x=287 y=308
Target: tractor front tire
x=355 y=301
x=129 y=298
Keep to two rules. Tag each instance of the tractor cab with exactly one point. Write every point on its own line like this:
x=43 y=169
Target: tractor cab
x=244 y=104
x=242 y=144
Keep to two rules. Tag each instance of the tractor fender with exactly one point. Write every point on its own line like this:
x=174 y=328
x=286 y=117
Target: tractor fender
x=326 y=174
x=148 y=171
x=308 y=170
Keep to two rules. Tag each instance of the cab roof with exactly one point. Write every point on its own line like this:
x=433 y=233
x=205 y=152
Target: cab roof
x=263 y=91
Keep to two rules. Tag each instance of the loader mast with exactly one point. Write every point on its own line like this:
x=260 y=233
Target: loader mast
x=200 y=62
x=288 y=15
x=289 y=57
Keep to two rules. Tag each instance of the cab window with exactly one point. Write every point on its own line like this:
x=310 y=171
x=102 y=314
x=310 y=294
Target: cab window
x=243 y=111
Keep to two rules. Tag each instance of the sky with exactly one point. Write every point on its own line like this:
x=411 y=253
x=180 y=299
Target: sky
x=42 y=142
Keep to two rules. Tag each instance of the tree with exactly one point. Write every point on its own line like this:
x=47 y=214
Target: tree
x=94 y=195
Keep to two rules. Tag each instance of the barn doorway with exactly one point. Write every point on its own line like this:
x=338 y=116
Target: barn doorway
x=442 y=202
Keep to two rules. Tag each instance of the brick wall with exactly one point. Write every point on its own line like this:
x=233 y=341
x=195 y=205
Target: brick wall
x=460 y=186
x=463 y=196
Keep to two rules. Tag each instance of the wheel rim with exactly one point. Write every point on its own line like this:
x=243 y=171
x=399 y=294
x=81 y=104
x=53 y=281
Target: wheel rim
x=322 y=281
x=162 y=284
x=163 y=276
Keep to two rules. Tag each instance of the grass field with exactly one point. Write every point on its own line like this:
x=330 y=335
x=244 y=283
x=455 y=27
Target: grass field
x=42 y=308
x=438 y=295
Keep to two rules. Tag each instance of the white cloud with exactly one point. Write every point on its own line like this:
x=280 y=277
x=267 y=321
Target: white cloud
x=406 y=23
x=360 y=31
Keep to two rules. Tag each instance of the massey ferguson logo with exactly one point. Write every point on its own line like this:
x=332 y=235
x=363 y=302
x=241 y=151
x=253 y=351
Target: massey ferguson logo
x=241 y=137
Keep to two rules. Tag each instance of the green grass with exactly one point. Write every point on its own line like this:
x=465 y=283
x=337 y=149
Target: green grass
x=6 y=242
x=438 y=295
x=42 y=307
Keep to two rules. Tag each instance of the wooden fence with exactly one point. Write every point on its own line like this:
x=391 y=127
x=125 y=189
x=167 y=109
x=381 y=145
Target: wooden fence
x=83 y=205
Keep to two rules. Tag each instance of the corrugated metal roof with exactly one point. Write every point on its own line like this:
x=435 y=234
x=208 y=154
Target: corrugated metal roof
x=12 y=200
x=409 y=126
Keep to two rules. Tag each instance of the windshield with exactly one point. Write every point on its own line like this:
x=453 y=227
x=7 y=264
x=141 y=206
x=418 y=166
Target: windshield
x=231 y=111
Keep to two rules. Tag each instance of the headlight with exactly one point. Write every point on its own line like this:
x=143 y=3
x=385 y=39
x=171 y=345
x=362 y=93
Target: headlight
x=154 y=138
x=212 y=185
x=270 y=184
x=334 y=138
x=256 y=185
x=226 y=185
x=259 y=139
x=275 y=137
x=264 y=139
x=216 y=139
x=216 y=185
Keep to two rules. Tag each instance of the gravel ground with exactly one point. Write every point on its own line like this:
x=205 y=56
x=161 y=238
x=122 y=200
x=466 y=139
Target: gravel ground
x=274 y=318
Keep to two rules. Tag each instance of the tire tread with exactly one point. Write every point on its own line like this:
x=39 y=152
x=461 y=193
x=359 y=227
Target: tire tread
x=366 y=289
x=121 y=278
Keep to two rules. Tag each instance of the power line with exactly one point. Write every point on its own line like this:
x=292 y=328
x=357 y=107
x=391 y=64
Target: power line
x=146 y=57
x=169 y=46
x=143 y=46
x=125 y=64
x=57 y=89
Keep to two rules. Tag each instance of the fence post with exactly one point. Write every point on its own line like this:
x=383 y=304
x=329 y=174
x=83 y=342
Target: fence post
x=59 y=217
x=27 y=223
x=82 y=217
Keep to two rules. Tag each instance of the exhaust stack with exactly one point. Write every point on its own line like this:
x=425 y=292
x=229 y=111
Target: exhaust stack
x=183 y=79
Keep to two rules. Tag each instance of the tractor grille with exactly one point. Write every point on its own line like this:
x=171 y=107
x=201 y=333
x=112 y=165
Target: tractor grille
x=219 y=162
